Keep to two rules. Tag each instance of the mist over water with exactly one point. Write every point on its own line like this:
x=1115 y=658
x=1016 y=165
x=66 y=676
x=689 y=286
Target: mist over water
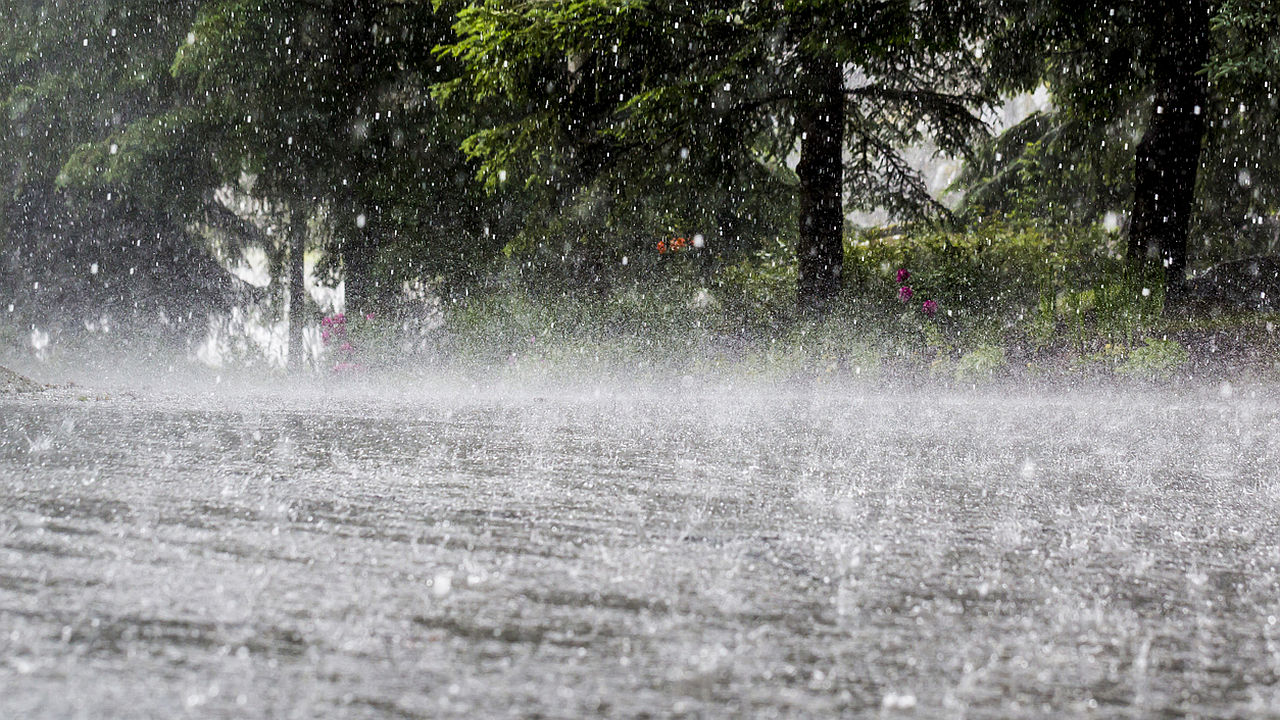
x=387 y=546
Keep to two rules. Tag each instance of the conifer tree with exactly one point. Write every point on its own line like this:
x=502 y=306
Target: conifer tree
x=652 y=94
x=1159 y=113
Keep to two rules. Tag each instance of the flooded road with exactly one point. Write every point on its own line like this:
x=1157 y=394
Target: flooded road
x=695 y=552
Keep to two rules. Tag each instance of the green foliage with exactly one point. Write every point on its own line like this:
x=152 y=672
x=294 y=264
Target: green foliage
x=630 y=116
x=980 y=363
x=1155 y=360
x=996 y=269
x=543 y=148
x=761 y=288
x=1074 y=164
x=1056 y=167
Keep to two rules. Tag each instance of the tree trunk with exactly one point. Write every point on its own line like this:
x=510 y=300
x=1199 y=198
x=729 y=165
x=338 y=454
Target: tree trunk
x=297 y=288
x=357 y=263
x=820 y=251
x=1168 y=156
x=353 y=24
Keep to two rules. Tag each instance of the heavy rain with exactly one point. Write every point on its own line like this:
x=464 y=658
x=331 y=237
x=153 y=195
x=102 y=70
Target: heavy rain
x=623 y=358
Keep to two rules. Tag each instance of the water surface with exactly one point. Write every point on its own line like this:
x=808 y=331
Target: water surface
x=727 y=550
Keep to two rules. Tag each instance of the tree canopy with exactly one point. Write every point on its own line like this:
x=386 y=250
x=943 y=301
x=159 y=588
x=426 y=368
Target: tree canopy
x=1153 y=103
x=439 y=141
x=751 y=105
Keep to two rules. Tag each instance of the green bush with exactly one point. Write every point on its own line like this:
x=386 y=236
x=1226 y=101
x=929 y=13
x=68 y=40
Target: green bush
x=1001 y=286
x=1156 y=360
x=981 y=363
x=1001 y=277
x=761 y=289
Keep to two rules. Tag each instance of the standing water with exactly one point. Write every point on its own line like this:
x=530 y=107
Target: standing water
x=729 y=551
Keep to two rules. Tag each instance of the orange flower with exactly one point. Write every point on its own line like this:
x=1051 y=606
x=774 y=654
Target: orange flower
x=662 y=247
x=679 y=243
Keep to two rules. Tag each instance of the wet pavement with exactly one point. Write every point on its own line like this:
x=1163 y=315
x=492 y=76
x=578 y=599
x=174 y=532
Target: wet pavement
x=717 y=551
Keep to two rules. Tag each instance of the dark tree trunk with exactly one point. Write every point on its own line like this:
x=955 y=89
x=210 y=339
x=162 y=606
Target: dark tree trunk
x=820 y=251
x=297 y=288
x=1168 y=156
x=354 y=47
x=357 y=252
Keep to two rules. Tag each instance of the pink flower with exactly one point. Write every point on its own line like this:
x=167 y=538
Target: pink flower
x=346 y=347
x=368 y=316
x=904 y=293
x=930 y=308
x=903 y=275
x=324 y=334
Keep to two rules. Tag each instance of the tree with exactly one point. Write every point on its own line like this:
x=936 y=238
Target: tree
x=323 y=103
x=1168 y=156
x=653 y=95
x=315 y=110
x=1148 y=120
x=72 y=75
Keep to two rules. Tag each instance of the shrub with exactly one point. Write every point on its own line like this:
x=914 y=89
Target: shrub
x=981 y=363
x=1156 y=360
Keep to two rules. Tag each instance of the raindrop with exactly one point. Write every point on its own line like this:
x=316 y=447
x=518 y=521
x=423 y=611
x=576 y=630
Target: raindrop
x=442 y=584
x=894 y=701
x=361 y=220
